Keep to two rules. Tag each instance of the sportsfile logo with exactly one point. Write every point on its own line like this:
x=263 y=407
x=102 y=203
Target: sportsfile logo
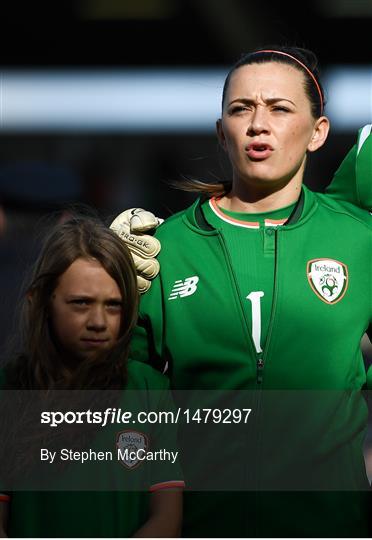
x=184 y=288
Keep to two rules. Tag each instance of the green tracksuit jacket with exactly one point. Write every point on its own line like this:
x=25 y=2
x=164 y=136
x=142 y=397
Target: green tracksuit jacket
x=193 y=322
x=353 y=180
x=305 y=384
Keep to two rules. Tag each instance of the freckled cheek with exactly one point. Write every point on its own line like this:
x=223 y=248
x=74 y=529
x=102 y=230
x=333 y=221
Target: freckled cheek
x=234 y=135
x=294 y=145
x=299 y=134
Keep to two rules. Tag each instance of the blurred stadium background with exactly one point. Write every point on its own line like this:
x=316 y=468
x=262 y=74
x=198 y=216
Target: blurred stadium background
x=105 y=101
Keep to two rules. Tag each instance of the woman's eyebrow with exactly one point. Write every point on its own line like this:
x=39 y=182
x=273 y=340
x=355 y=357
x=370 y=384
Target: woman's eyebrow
x=269 y=101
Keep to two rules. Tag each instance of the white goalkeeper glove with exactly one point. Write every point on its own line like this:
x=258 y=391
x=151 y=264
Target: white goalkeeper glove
x=130 y=226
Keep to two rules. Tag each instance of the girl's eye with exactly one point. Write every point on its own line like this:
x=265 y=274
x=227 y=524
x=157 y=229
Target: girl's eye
x=115 y=305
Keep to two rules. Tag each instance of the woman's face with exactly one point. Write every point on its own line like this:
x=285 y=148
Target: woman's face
x=267 y=125
x=86 y=310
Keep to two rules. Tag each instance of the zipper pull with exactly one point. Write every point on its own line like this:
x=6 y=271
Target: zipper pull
x=260 y=366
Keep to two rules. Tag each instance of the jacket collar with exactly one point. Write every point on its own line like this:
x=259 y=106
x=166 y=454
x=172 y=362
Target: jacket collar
x=306 y=205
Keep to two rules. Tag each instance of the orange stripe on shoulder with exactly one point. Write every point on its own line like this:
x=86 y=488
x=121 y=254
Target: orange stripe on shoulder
x=167 y=485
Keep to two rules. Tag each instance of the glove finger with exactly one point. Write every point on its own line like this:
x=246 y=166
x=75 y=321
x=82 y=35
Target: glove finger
x=122 y=221
x=136 y=220
x=143 y=245
x=143 y=285
x=142 y=221
x=148 y=268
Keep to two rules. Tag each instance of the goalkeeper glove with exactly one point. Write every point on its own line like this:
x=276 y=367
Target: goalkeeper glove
x=130 y=226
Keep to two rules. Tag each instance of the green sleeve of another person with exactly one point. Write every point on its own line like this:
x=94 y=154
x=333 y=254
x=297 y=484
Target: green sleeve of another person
x=352 y=181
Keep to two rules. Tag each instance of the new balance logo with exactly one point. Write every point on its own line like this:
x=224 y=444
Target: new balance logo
x=184 y=288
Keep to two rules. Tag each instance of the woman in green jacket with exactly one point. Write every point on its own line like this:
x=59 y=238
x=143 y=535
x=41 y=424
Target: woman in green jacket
x=266 y=286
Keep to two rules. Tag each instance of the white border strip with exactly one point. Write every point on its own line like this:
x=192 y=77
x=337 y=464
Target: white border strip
x=363 y=136
x=150 y=101
x=125 y=101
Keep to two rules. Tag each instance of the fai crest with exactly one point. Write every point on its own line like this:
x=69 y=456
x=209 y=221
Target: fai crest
x=328 y=279
x=131 y=446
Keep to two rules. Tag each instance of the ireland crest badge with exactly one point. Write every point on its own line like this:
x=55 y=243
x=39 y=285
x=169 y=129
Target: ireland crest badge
x=131 y=447
x=328 y=278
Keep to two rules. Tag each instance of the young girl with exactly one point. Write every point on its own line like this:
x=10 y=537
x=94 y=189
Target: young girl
x=78 y=316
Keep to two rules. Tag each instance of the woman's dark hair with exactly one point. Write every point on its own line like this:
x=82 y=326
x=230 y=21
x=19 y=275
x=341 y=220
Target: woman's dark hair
x=39 y=366
x=315 y=96
x=300 y=56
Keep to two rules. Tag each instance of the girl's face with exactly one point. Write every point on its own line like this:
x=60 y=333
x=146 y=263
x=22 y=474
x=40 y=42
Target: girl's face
x=86 y=310
x=267 y=126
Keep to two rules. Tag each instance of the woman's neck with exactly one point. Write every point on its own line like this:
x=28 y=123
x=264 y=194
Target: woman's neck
x=252 y=199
